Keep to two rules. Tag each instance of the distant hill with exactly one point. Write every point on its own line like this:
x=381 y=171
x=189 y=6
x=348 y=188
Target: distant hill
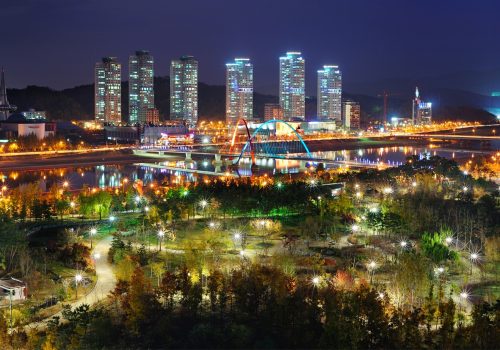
x=78 y=102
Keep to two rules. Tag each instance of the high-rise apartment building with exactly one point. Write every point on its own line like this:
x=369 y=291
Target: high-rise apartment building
x=184 y=90
x=141 y=96
x=329 y=93
x=272 y=111
x=421 y=111
x=239 y=90
x=292 y=86
x=107 y=90
x=351 y=114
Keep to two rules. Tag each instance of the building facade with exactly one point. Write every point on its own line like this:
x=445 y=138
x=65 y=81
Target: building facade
x=152 y=116
x=141 y=96
x=421 y=113
x=351 y=115
x=292 y=86
x=329 y=93
x=424 y=113
x=239 y=90
x=184 y=90
x=108 y=101
x=272 y=111
x=32 y=114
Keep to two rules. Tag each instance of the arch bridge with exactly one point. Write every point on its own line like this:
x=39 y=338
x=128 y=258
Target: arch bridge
x=262 y=143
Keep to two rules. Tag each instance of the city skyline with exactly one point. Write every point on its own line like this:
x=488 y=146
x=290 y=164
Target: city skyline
x=386 y=34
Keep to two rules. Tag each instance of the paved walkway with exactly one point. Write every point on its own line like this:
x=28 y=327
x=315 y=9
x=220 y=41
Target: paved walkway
x=105 y=282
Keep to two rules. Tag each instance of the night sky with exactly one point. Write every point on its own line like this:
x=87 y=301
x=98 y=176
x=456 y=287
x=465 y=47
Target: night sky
x=56 y=42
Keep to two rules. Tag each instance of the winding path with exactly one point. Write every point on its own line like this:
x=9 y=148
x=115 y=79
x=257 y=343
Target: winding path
x=105 y=282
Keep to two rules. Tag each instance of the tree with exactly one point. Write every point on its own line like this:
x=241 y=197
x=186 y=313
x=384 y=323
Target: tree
x=434 y=248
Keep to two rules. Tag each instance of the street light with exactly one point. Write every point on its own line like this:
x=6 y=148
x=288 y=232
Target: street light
x=316 y=280
x=78 y=279
x=112 y=218
x=439 y=270
x=465 y=188
x=161 y=234
x=371 y=266
x=473 y=257
x=92 y=232
x=355 y=228
x=403 y=244
x=388 y=190
x=448 y=240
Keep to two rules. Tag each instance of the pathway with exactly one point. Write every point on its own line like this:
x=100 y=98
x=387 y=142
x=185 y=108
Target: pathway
x=105 y=282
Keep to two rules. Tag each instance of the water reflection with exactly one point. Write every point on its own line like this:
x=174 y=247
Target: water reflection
x=177 y=171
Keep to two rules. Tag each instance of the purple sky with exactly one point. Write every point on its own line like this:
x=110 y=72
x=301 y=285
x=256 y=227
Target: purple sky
x=56 y=42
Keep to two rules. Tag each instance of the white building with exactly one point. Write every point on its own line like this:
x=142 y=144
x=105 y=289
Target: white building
x=12 y=289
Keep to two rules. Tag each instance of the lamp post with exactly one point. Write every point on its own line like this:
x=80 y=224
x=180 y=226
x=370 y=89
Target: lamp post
x=473 y=258
x=92 y=232
x=371 y=266
x=161 y=234
x=78 y=279
x=203 y=205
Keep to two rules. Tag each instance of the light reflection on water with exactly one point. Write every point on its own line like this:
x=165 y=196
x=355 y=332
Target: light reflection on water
x=113 y=175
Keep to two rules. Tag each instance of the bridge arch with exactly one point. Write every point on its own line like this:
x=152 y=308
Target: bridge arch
x=254 y=134
x=235 y=133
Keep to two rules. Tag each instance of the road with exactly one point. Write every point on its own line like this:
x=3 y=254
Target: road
x=105 y=283
x=67 y=160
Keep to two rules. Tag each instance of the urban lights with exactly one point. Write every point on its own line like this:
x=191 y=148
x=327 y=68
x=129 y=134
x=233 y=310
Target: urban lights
x=316 y=280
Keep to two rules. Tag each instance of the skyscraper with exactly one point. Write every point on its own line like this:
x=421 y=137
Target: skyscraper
x=292 y=85
x=351 y=115
x=421 y=111
x=108 y=107
x=141 y=95
x=184 y=90
x=5 y=107
x=239 y=90
x=329 y=93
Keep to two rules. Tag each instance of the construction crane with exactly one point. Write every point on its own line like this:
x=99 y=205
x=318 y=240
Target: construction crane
x=385 y=95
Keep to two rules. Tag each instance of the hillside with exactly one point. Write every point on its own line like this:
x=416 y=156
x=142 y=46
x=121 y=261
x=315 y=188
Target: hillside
x=78 y=102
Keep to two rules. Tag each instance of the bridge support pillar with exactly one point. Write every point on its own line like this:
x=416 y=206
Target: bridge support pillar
x=218 y=160
x=302 y=165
